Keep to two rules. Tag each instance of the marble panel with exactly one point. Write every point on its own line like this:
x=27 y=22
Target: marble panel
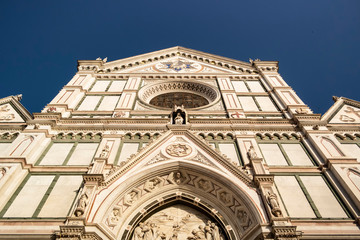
x=266 y=104
x=293 y=197
x=57 y=154
x=29 y=197
x=117 y=86
x=128 y=149
x=61 y=197
x=108 y=103
x=297 y=155
x=100 y=86
x=273 y=155
x=248 y=103
x=255 y=86
x=89 y=103
x=229 y=150
x=323 y=198
x=239 y=86
x=83 y=154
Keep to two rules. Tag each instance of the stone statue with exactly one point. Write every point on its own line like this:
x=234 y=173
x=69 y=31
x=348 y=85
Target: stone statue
x=138 y=232
x=251 y=153
x=104 y=153
x=178 y=119
x=274 y=205
x=82 y=203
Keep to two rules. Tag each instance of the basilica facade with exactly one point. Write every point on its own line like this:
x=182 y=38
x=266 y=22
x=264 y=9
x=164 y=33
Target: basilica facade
x=179 y=144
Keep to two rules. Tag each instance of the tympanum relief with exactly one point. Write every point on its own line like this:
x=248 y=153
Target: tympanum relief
x=178 y=222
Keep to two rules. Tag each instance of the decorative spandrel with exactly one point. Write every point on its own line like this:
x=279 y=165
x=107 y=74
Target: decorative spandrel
x=178 y=222
x=189 y=100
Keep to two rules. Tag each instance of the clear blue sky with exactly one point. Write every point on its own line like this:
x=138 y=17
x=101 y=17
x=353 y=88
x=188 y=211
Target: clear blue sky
x=316 y=42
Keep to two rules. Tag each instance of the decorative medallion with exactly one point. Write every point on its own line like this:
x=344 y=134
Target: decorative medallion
x=178 y=150
x=178 y=66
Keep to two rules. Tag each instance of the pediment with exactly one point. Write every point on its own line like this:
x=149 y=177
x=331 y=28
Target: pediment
x=12 y=111
x=344 y=111
x=174 y=147
x=172 y=60
x=178 y=65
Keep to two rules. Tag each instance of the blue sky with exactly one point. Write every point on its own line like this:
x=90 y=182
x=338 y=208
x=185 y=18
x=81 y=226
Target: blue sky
x=316 y=42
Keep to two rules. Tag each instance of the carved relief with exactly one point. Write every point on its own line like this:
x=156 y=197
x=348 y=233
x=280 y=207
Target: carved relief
x=274 y=204
x=131 y=197
x=152 y=184
x=252 y=153
x=199 y=183
x=4 y=113
x=82 y=203
x=178 y=222
x=178 y=150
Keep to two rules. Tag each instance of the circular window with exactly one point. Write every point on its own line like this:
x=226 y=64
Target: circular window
x=168 y=94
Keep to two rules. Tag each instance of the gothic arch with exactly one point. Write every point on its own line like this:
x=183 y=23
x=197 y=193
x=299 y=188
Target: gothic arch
x=130 y=201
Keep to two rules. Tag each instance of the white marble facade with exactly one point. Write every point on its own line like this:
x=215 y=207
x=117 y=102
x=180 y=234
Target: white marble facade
x=179 y=144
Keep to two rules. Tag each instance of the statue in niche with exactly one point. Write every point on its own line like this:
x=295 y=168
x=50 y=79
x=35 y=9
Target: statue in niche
x=82 y=203
x=179 y=115
x=179 y=120
x=104 y=153
x=274 y=205
x=251 y=153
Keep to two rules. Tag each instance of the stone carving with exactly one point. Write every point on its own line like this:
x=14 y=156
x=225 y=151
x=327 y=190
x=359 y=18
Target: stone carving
x=301 y=111
x=274 y=205
x=105 y=152
x=130 y=197
x=51 y=110
x=4 y=115
x=114 y=217
x=176 y=177
x=200 y=158
x=157 y=158
x=178 y=150
x=251 y=153
x=178 y=222
x=178 y=66
x=120 y=114
x=199 y=183
x=204 y=185
x=151 y=184
x=82 y=203
x=179 y=120
x=3 y=171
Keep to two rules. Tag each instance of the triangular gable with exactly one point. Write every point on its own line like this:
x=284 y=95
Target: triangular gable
x=179 y=145
x=11 y=110
x=178 y=65
x=344 y=111
x=199 y=61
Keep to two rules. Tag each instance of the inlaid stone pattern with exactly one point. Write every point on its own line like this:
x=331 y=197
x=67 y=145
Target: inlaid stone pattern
x=347 y=114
